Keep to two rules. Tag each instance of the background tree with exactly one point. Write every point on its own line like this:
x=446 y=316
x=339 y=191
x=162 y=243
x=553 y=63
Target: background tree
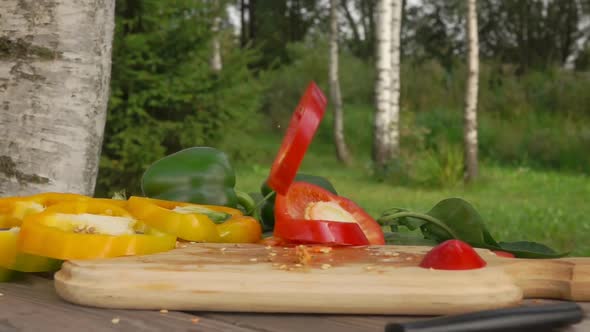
x=271 y=25
x=165 y=95
x=342 y=152
x=470 y=115
x=56 y=57
x=382 y=118
x=362 y=40
x=387 y=87
x=396 y=22
x=216 y=61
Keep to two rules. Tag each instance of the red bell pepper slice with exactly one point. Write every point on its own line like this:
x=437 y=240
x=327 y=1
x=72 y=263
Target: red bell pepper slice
x=292 y=225
x=452 y=255
x=302 y=127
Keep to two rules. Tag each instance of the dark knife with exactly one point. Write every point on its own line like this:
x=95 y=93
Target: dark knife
x=530 y=318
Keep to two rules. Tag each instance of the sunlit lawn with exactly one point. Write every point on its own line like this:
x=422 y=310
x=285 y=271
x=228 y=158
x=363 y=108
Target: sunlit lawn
x=516 y=204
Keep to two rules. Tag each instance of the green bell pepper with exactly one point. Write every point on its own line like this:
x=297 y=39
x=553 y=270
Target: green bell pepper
x=201 y=175
x=267 y=211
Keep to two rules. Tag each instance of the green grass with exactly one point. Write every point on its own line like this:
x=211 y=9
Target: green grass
x=515 y=203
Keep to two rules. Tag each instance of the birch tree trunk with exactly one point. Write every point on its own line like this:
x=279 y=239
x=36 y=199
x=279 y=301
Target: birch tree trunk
x=382 y=119
x=396 y=24
x=470 y=113
x=215 y=61
x=55 y=63
x=341 y=149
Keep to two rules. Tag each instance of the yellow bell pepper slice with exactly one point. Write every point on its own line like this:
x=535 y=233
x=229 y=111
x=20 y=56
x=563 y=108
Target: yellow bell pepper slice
x=240 y=229
x=13 y=259
x=194 y=222
x=89 y=229
x=14 y=209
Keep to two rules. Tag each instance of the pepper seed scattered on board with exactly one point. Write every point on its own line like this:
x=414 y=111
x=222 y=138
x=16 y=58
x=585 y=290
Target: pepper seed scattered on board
x=115 y=320
x=195 y=320
x=272 y=254
x=164 y=311
x=253 y=259
x=369 y=268
x=283 y=267
x=326 y=266
x=268 y=247
x=408 y=258
x=193 y=242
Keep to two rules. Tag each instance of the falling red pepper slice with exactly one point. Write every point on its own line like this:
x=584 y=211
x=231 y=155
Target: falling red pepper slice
x=452 y=255
x=298 y=218
x=302 y=127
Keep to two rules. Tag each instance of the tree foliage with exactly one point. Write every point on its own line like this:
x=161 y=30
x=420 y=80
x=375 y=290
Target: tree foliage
x=530 y=34
x=164 y=95
x=271 y=25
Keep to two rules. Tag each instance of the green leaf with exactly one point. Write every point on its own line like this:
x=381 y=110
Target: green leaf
x=408 y=239
x=487 y=237
x=525 y=249
x=462 y=218
x=411 y=223
x=456 y=218
x=395 y=217
x=414 y=220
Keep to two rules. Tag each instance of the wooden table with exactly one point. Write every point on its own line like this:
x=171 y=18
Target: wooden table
x=32 y=305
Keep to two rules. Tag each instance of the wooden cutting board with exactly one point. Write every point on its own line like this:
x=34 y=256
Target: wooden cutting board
x=371 y=280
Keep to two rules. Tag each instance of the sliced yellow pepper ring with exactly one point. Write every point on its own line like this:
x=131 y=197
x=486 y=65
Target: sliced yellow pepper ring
x=194 y=222
x=50 y=198
x=240 y=229
x=89 y=229
x=13 y=259
x=14 y=209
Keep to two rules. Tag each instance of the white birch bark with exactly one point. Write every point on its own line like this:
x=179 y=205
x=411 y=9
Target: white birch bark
x=215 y=62
x=396 y=24
x=55 y=62
x=342 y=152
x=470 y=113
x=382 y=119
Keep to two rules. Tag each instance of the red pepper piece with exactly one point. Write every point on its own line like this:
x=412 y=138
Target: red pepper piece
x=293 y=223
x=302 y=127
x=452 y=255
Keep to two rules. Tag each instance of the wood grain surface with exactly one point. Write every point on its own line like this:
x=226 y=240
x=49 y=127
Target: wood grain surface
x=33 y=305
x=373 y=280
